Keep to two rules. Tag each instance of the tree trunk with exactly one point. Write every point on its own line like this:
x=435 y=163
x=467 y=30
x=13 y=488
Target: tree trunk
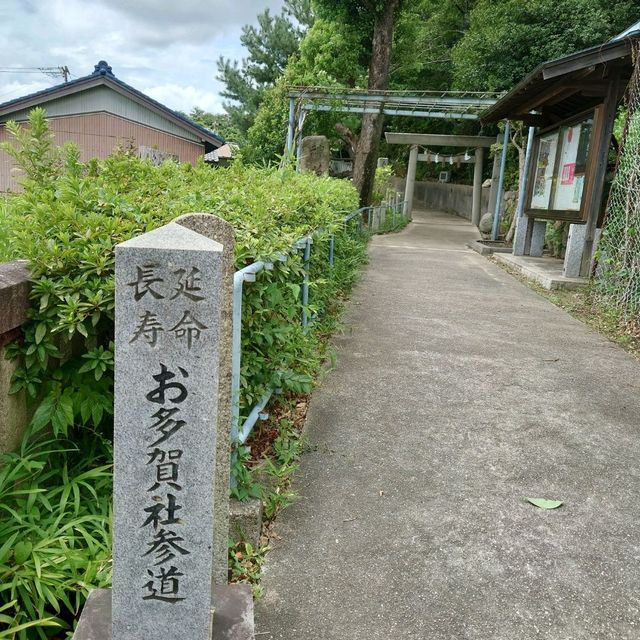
x=521 y=168
x=364 y=166
x=350 y=138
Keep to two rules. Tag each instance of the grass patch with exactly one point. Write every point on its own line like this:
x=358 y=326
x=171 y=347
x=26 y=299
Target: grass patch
x=583 y=304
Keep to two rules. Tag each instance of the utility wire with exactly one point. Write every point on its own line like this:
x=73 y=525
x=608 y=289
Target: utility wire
x=52 y=72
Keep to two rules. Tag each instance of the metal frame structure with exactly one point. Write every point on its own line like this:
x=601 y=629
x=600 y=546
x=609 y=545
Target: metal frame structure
x=451 y=105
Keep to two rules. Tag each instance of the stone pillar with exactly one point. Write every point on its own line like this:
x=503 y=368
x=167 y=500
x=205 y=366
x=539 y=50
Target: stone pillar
x=575 y=248
x=411 y=181
x=166 y=403
x=477 y=187
x=522 y=221
x=290 y=126
x=537 y=238
x=520 y=236
x=221 y=231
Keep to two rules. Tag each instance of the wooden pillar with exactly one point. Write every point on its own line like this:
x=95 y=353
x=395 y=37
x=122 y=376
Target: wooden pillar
x=411 y=181
x=477 y=187
x=603 y=121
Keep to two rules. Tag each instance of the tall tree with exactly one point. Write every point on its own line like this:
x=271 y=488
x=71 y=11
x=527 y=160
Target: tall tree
x=377 y=17
x=270 y=44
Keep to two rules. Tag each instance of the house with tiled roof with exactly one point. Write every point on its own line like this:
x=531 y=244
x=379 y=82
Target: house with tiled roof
x=100 y=112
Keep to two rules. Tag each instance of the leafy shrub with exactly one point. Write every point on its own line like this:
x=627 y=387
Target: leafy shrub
x=55 y=533
x=383 y=183
x=71 y=217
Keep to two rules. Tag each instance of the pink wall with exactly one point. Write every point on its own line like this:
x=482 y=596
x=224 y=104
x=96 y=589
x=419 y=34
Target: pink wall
x=97 y=135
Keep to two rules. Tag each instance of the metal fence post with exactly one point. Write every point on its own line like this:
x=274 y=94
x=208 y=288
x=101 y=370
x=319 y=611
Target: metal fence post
x=331 y=249
x=248 y=274
x=305 y=283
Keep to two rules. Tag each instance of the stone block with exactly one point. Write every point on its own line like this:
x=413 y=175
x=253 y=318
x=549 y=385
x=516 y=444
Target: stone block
x=315 y=156
x=221 y=231
x=245 y=521
x=166 y=401
x=520 y=235
x=14 y=303
x=14 y=294
x=233 y=617
x=486 y=223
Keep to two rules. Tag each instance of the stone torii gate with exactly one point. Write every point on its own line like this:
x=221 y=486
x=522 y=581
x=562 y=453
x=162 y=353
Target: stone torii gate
x=414 y=140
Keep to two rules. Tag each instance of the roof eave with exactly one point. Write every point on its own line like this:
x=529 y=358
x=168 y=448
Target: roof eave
x=88 y=82
x=47 y=95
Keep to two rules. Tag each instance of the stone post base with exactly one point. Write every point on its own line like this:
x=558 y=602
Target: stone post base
x=232 y=616
x=537 y=238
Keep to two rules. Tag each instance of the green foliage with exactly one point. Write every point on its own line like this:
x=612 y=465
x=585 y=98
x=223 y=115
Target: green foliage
x=84 y=211
x=331 y=53
x=383 y=183
x=245 y=485
x=269 y=45
x=220 y=123
x=266 y=137
x=507 y=39
x=245 y=565
x=617 y=280
x=432 y=27
x=55 y=533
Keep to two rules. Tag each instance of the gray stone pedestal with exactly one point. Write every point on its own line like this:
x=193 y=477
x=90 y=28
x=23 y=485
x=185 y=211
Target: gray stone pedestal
x=537 y=238
x=538 y=232
x=232 y=615
x=379 y=214
x=520 y=236
x=575 y=248
x=221 y=231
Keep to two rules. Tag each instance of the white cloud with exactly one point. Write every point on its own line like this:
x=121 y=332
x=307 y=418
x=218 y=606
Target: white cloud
x=184 y=98
x=167 y=48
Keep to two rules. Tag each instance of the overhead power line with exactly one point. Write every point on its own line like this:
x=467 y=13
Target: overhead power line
x=52 y=72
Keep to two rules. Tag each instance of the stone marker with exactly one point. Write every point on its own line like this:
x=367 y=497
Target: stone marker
x=166 y=400
x=315 y=156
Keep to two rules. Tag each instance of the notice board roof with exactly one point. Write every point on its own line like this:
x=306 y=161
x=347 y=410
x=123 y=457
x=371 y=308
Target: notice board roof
x=559 y=89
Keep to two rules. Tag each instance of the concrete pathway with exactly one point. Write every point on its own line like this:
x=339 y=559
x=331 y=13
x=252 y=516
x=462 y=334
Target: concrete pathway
x=458 y=393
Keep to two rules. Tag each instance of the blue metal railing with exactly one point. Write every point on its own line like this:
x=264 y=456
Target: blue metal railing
x=240 y=432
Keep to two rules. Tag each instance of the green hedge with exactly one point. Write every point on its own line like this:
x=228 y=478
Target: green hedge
x=66 y=222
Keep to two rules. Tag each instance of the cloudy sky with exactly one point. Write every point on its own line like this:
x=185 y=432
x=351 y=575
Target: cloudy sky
x=164 y=48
